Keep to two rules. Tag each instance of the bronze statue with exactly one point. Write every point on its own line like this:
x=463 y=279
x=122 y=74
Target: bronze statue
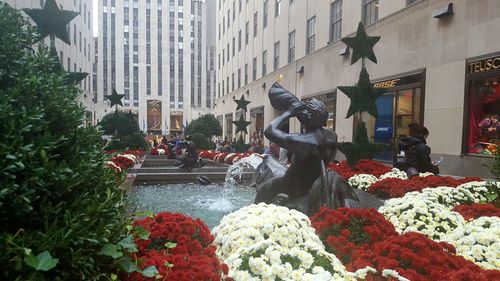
x=190 y=160
x=305 y=185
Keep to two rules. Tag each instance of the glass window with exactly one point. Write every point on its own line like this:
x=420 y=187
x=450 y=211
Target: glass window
x=277 y=10
x=254 y=70
x=239 y=40
x=370 y=11
x=266 y=12
x=276 y=55
x=409 y=2
x=247 y=31
x=335 y=20
x=255 y=24
x=484 y=116
x=246 y=73
x=291 y=46
x=311 y=35
x=264 y=63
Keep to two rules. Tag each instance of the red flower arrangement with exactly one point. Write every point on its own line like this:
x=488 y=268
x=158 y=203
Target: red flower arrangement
x=418 y=258
x=346 y=230
x=190 y=255
x=137 y=152
x=394 y=187
x=435 y=181
x=375 y=168
x=343 y=169
x=477 y=210
x=122 y=162
x=220 y=157
x=154 y=151
x=207 y=154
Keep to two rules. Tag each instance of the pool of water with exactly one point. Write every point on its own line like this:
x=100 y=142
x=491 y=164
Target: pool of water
x=209 y=203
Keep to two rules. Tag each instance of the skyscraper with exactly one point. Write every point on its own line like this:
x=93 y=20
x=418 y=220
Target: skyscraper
x=155 y=53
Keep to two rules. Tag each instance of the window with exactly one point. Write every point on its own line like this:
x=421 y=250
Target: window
x=291 y=46
x=234 y=46
x=247 y=27
x=234 y=10
x=239 y=5
x=232 y=82
x=277 y=10
x=291 y=2
x=227 y=51
x=409 y=2
x=266 y=12
x=277 y=55
x=370 y=11
x=264 y=63
x=239 y=78
x=254 y=70
x=239 y=40
x=246 y=73
x=335 y=20
x=310 y=35
x=228 y=18
x=255 y=24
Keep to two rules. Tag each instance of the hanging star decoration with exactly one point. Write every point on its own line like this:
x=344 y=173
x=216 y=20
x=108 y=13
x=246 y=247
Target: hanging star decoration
x=52 y=21
x=241 y=125
x=362 y=45
x=115 y=99
x=363 y=95
x=242 y=103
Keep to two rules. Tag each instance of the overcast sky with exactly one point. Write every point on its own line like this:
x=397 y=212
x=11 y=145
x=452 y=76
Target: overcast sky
x=94 y=10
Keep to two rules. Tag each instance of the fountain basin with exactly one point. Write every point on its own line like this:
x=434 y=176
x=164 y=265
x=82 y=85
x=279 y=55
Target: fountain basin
x=185 y=177
x=209 y=203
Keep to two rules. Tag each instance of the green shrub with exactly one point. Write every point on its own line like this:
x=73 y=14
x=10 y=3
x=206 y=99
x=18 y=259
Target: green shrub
x=360 y=148
x=240 y=145
x=200 y=141
x=125 y=130
x=56 y=199
x=495 y=168
x=207 y=125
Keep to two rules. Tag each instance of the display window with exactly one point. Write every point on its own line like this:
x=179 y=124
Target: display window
x=484 y=116
x=228 y=132
x=257 y=119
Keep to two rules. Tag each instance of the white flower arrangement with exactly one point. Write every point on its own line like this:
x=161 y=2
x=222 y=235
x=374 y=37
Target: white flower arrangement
x=362 y=273
x=426 y=174
x=416 y=213
x=130 y=156
x=481 y=189
x=478 y=241
x=114 y=166
x=362 y=181
x=266 y=242
x=161 y=151
x=394 y=173
x=449 y=196
x=269 y=261
x=256 y=223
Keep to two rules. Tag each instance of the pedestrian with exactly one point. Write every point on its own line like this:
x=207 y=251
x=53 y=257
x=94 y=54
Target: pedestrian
x=414 y=153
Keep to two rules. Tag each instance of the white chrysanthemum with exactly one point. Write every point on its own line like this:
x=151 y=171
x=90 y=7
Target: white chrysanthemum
x=362 y=181
x=449 y=196
x=478 y=241
x=394 y=274
x=161 y=151
x=130 y=156
x=361 y=273
x=415 y=212
x=112 y=164
x=256 y=223
x=394 y=173
x=481 y=189
x=426 y=174
x=269 y=261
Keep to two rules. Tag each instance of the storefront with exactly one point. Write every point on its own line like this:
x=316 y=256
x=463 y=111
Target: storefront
x=482 y=106
x=154 y=116
x=228 y=132
x=257 y=119
x=176 y=125
x=398 y=107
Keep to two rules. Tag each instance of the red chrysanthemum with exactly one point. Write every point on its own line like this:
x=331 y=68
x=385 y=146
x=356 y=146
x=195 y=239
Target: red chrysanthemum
x=476 y=210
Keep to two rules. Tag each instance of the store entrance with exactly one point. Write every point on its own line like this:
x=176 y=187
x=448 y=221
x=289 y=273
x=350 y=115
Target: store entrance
x=398 y=107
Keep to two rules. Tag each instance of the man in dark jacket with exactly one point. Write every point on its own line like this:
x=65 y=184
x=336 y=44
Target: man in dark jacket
x=414 y=152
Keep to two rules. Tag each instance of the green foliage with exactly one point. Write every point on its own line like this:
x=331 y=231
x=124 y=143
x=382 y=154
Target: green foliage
x=360 y=148
x=125 y=130
x=206 y=124
x=56 y=199
x=240 y=145
x=200 y=141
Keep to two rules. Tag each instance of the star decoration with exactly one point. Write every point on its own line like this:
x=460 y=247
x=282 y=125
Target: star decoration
x=115 y=98
x=363 y=95
x=51 y=20
x=241 y=125
x=242 y=103
x=362 y=45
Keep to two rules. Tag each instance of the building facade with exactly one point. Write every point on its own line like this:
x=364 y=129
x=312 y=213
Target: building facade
x=155 y=52
x=439 y=63
x=79 y=56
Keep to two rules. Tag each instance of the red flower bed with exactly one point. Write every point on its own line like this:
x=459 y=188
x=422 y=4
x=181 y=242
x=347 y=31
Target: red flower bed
x=219 y=157
x=137 y=152
x=375 y=168
x=477 y=210
x=193 y=256
x=122 y=162
x=418 y=258
x=364 y=166
x=346 y=230
x=394 y=187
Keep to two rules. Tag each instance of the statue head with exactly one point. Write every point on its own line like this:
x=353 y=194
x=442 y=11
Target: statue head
x=313 y=114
